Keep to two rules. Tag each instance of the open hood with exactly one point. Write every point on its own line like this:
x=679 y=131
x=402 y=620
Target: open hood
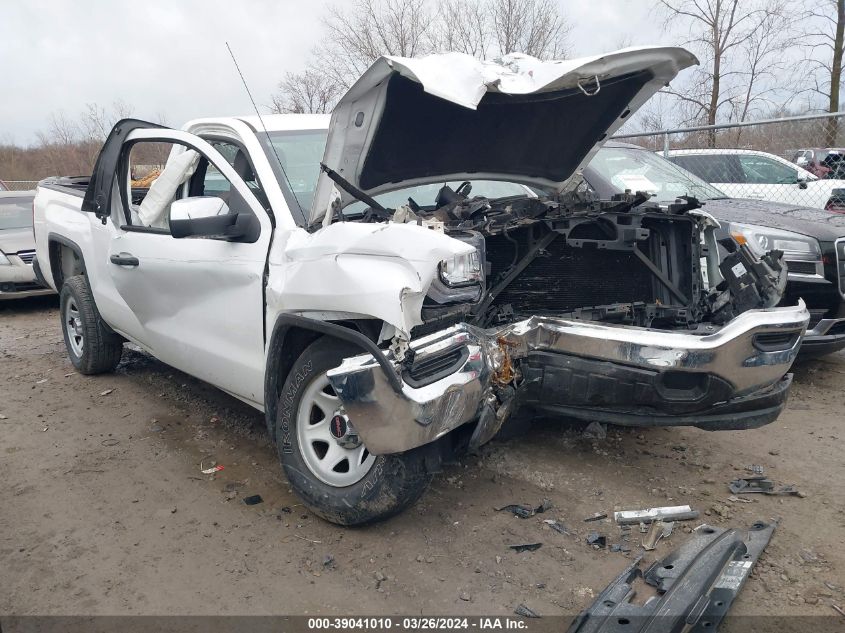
x=444 y=117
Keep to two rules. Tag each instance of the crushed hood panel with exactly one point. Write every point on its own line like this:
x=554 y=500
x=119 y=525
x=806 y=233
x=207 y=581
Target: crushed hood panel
x=452 y=117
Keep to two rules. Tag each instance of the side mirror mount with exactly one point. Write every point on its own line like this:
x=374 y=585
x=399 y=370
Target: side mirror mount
x=802 y=182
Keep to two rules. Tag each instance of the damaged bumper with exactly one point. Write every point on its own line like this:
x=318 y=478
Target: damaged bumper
x=733 y=378
x=826 y=337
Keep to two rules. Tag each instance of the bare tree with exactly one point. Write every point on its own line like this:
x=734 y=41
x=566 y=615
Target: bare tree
x=534 y=27
x=822 y=34
x=463 y=26
x=727 y=34
x=311 y=91
x=358 y=34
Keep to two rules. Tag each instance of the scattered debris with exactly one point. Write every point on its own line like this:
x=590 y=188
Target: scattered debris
x=595 y=430
x=465 y=596
x=658 y=530
x=526 y=612
x=253 y=500
x=620 y=547
x=695 y=584
x=597 y=540
x=110 y=442
x=838 y=609
x=3 y=417
x=106 y=392
x=557 y=526
x=41 y=382
x=596 y=517
x=755 y=469
x=671 y=513
x=214 y=467
x=302 y=538
x=524 y=512
x=526 y=547
x=735 y=499
x=328 y=561
x=761 y=485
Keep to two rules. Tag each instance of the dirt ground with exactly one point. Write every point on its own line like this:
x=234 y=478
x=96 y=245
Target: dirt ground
x=105 y=511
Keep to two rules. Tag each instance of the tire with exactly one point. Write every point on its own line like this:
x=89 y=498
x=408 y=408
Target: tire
x=92 y=348
x=374 y=487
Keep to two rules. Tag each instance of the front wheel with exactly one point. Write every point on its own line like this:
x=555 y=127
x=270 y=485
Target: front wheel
x=92 y=348
x=325 y=461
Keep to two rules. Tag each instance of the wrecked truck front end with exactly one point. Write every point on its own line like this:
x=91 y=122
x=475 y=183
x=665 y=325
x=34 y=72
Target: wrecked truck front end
x=732 y=379
x=618 y=310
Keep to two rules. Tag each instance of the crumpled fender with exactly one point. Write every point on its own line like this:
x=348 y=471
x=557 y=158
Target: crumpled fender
x=381 y=271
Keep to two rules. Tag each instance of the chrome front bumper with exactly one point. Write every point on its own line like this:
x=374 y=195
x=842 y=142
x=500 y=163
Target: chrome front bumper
x=752 y=352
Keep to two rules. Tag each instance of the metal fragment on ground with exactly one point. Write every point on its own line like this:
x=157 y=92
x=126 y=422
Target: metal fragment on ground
x=696 y=584
x=655 y=533
x=526 y=612
x=526 y=547
x=557 y=526
x=671 y=513
x=597 y=540
x=596 y=517
x=524 y=512
x=761 y=485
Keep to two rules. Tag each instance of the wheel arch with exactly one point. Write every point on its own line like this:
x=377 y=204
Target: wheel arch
x=66 y=259
x=292 y=334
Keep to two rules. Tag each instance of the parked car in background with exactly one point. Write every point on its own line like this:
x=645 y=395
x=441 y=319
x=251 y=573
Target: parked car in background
x=836 y=203
x=812 y=240
x=380 y=341
x=744 y=173
x=17 y=247
x=820 y=162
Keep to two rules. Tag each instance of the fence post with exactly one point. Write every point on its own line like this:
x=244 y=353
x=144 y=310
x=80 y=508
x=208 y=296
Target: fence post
x=666 y=145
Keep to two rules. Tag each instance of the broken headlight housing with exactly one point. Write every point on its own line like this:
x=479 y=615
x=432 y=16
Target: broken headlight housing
x=461 y=270
x=762 y=239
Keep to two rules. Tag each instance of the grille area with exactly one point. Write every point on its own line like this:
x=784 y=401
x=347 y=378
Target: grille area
x=426 y=370
x=840 y=264
x=802 y=268
x=566 y=278
x=26 y=256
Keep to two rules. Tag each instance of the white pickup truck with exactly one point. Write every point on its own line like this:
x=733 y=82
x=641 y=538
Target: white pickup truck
x=390 y=285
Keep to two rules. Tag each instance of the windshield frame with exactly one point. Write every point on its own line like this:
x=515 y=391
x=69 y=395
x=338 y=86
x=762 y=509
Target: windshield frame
x=606 y=188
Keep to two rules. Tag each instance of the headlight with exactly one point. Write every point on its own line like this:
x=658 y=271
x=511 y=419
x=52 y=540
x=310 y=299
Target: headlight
x=4 y=261
x=762 y=239
x=461 y=270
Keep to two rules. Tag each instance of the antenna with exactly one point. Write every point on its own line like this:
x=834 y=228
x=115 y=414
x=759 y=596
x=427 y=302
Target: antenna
x=266 y=133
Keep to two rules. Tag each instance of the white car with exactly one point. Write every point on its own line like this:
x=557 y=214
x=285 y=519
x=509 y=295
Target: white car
x=324 y=273
x=742 y=173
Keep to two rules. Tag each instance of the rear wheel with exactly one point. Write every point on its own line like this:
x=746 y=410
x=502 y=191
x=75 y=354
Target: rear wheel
x=92 y=348
x=325 y=461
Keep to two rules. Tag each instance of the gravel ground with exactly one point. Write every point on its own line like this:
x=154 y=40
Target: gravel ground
x=105 y=510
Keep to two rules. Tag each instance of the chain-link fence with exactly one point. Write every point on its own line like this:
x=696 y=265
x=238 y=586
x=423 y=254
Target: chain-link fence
x=796 y=160
x=19 y=185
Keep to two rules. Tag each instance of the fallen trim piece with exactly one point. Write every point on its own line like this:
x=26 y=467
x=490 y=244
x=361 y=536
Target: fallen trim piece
x=668 y=513
x=696 y=585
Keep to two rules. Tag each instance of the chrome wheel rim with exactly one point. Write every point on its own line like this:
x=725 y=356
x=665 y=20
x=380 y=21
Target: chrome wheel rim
x=327 y=460
x=73 y=327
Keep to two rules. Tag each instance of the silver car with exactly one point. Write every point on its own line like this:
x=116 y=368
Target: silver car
x=17 y=247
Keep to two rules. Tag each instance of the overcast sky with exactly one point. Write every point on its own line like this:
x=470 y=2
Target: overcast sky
x=167 y=57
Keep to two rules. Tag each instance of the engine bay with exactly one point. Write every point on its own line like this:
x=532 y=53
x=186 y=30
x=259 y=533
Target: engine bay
x=625 y=261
